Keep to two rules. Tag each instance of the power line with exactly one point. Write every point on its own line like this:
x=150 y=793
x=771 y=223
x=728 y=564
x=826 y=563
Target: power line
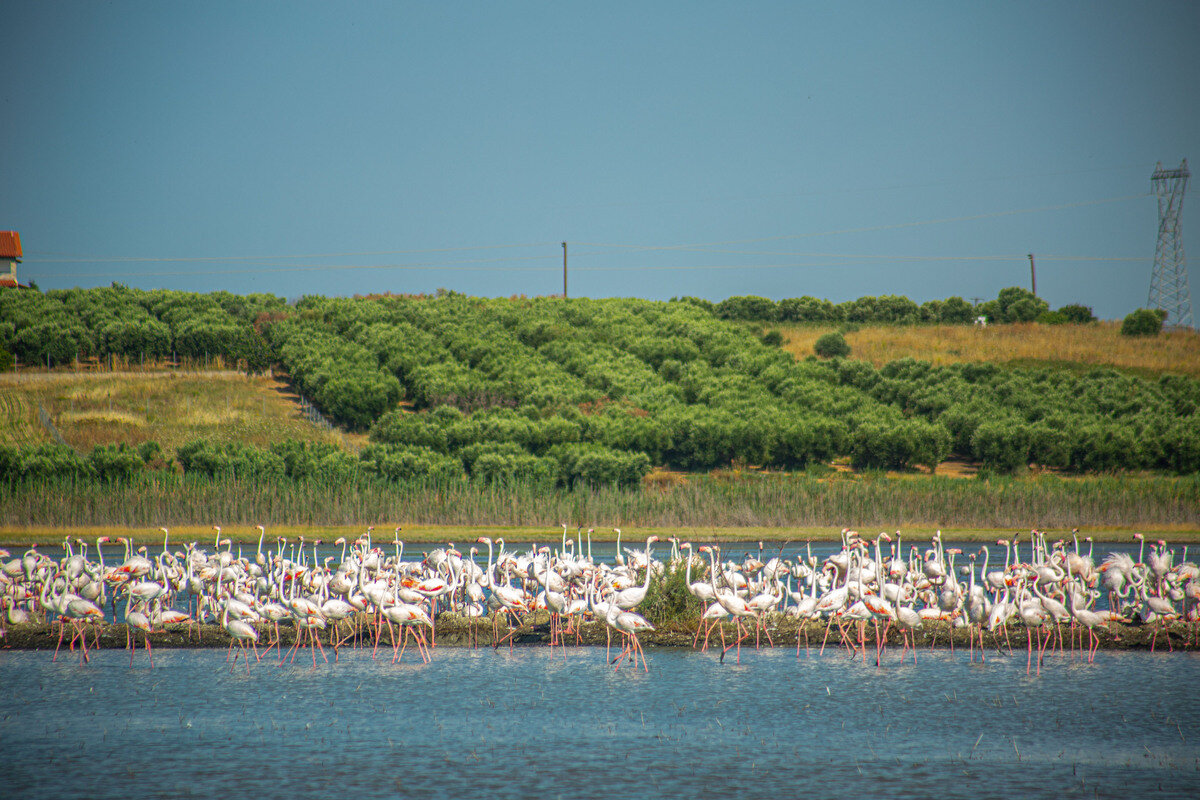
x=892 y=226
x=877 y=256
x=475 y=264
x=974 y=181
x=479 y=265
x=427 y=265
x=67 y=258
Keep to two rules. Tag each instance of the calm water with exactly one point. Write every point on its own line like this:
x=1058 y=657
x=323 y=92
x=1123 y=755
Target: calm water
x=532 y=724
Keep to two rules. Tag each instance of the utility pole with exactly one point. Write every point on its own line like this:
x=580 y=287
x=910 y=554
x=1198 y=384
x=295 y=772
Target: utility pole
x=564 y=270
x=1032 y=275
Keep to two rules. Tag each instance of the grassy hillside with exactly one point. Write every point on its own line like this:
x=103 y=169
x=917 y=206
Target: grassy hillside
x=1020 y=344
x=535 y=411
x=170 y=408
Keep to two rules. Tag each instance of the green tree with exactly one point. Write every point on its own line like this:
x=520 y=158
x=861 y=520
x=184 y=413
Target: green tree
x=1019 y=305
x=956 y=311
x=1002 y=444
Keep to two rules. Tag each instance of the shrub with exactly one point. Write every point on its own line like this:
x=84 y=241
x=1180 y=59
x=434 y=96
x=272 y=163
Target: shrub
x=150 y=451
x=806 y=309
x=748 y=307
x=1143 y=322
x=832 y=345
x=888 y=444
x=492 y=467
x=217 y=459
x=1020 y=305
x=409 y=463
x=1002 y=445
x=1052 y=318
x=114 y=462
x=599 y=466
x=10 y=463
x=956 y=311
x=1077 y=314
x=51 y=461
x=406 y=428
x=668 y=597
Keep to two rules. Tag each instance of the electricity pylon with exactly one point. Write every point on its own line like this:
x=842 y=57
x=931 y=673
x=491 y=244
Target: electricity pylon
x=1169 y=283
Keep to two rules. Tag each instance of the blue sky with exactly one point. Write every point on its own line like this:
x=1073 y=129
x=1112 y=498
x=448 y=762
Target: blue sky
x=708 y=149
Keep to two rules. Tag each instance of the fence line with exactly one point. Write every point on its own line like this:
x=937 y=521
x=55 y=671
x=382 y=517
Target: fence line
x=311 y=413
x=48 y=424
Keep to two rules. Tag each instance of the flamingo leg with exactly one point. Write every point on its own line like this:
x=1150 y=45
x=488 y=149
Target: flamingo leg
x=375 y=622
x=1029 y=640
x=826 y=639
x=317 y=639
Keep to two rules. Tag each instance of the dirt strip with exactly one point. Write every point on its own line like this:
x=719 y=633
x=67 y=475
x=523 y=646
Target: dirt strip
x=455 y=630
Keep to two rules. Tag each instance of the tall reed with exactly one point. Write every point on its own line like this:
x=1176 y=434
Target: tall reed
x=753 y=501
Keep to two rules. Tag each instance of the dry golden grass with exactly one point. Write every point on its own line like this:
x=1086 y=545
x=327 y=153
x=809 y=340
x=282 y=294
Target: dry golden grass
x=18 y=421
x=1096 y=345
x=101 y=418
x=169 y=408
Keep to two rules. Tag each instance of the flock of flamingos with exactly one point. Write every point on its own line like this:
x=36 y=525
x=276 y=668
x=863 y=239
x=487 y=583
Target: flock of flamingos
x=867 y=582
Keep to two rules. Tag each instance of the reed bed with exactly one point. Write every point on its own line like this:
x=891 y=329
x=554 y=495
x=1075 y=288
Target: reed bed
x=1026 y=344
x=769 y=501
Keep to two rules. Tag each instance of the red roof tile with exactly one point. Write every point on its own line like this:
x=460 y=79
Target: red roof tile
x=10 y=244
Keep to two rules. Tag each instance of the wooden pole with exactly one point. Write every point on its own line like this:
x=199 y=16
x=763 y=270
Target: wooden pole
x=1032 y=275
x=564 y=270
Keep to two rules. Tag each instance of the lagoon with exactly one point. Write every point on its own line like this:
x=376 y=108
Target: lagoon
x=536 y=723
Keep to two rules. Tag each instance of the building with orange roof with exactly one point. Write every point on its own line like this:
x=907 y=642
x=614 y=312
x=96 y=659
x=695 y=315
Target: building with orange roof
x=10 y=256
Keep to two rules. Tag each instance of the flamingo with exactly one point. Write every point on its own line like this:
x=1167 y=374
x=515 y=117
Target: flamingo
x=1088 y=619
x=629 y=598
x=1034 y=616
x=737 y=607
x=137 y=618
x=407 y=616
x=629 y=623
x=240 y=632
